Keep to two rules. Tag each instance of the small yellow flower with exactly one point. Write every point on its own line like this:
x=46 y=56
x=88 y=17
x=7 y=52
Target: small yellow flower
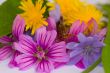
x=33 y=14
x=73 y=10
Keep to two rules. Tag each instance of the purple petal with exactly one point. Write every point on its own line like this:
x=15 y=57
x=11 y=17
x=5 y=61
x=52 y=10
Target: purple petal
x=57 y=52
x=26 y=45
x=71 y=45
x=44 y=66
x=90 y=59
x=13 y=63
x=18 y=27
x=51 y=24
x=75 y=59
x=76 y=52
x=98 y=44
x=25 y=61
x=5 y=40
x=81 y=37
x=5 y=52
x=55 y=13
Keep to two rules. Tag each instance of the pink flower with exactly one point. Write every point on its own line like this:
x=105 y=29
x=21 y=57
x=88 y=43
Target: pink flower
x=8 y=48
x=42 y=52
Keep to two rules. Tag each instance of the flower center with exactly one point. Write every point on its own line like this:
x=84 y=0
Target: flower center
x=62 y=30
x=88 y=49
x=41 y=53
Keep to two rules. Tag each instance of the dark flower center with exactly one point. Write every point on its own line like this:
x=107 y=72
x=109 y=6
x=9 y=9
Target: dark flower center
x=62 y=30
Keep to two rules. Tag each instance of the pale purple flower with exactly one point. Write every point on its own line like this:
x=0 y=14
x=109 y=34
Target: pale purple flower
x=88 y=50
x=42 y=52
x=56 y=14
x=8 y=48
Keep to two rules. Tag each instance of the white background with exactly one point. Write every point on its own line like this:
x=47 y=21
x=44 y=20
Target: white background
x=66 y=69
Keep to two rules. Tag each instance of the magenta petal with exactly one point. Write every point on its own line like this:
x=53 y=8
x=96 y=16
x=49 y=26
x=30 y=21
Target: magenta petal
x=74 y=27
x=82 y=27
x=102 y=33
x=57 y=52
x=39 y=35
x=80 y=64
x=77 y=27
x=44 y=66
x=25 y=62
x=5 y=40
x=49 y=38
x=95 y=25
x=26 y=45
x=45 y=38
x=51 y=24
x=13 y=63
x=18 y=26
x=5 y=52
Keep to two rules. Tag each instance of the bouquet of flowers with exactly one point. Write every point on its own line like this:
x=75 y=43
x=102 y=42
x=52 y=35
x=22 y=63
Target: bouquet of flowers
x=46 y=35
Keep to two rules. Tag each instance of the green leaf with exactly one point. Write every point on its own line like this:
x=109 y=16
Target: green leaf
x=8 y=11
x=106 y=49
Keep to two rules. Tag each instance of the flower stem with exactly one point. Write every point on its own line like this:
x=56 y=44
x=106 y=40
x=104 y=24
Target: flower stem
x=89 y=69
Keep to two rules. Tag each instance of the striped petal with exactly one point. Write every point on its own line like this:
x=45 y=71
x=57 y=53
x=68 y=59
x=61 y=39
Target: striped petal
x=26 y=45
x=5 y=52
x=25 y=61
x=49 y=38
x=5 y=39
x=45 y=38
x=57 y=52
x=39 y=35
x=44 y=66
x=18 y=26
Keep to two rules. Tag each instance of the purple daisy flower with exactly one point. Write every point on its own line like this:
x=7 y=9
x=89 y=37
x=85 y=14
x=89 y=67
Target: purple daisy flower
x=43 y=52
x=8 y=48
x=88 y=50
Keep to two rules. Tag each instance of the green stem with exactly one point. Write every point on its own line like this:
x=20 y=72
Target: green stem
x=89 y=69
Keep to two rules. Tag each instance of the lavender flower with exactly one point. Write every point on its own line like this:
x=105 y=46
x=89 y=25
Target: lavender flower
x=43 y=52
x=88 y=50
x=56 y=14
x=8 y=48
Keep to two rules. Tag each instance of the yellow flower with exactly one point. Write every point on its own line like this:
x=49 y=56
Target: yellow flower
x=33 y=14
x=73 y=10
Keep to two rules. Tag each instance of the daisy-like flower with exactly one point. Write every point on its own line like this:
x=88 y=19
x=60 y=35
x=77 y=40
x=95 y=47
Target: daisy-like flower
x=88 y=50
x=8 y=48
x=33 y=14
x=43 y=52
x=72 y=10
